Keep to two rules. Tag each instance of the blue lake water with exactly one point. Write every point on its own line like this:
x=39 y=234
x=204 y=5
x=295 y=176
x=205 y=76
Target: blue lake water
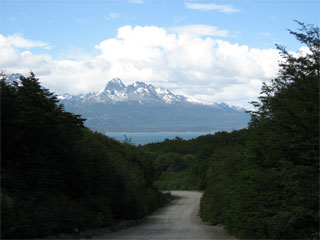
x=149 y=137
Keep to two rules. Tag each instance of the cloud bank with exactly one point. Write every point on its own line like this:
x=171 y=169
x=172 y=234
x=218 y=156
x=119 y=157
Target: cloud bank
x=202 y=68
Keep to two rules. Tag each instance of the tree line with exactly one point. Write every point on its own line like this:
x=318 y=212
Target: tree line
x=261 y=182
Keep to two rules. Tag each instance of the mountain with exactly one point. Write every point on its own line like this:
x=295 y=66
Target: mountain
x=141 y=107
x=139 y=92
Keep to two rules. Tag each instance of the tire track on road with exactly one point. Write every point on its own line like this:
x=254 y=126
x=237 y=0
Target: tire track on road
x=178 y=220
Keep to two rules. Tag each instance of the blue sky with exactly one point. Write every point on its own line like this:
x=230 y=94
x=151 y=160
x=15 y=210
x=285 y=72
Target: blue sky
x=82 y=24
x=50 y=34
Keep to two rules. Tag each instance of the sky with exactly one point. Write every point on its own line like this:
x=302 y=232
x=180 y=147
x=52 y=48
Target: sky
x=208 y=50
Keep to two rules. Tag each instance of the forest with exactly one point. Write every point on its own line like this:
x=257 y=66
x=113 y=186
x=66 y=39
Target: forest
x=259 y=183
x=58 y=176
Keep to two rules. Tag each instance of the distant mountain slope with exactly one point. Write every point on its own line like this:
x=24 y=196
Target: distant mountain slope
x=144 y=108
x=139 y=92
x=140 y=107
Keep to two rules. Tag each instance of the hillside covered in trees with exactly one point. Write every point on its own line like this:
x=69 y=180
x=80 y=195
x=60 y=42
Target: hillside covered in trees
x=58 y=176
x=261 y=182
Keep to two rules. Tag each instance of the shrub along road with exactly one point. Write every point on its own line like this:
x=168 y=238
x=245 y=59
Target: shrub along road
x=178 y=220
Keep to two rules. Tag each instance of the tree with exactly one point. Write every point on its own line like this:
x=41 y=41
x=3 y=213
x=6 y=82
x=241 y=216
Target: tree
x=271 y=191
x=283 y=151
x=38 y=135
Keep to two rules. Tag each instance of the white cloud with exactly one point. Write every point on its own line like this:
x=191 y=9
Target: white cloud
x=211 y=6
x=200 y=30
x=12 y=60
x=18 y=41
x=202 y=68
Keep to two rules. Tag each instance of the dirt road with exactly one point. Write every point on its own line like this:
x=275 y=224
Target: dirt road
x=178 y=220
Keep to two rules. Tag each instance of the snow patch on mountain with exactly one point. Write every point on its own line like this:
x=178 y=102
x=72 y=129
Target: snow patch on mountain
x=116 y=91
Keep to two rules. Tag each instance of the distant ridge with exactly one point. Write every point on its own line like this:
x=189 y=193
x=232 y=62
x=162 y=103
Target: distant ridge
x=116 y=91
x=141 y=107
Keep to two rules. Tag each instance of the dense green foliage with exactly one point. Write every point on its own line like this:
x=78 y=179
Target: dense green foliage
x=263 y=182
x=183 y=165
x=57 y=176
x=276 y=194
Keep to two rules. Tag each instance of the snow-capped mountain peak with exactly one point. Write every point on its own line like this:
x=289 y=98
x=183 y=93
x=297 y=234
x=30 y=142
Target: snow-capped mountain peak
x=113 y=85
x=116 y=91
x=116 y=83
x=65 y=96
x=141 y=107
x=138 y=84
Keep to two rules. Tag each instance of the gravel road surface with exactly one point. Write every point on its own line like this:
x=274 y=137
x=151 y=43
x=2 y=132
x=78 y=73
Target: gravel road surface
x=178 y=220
